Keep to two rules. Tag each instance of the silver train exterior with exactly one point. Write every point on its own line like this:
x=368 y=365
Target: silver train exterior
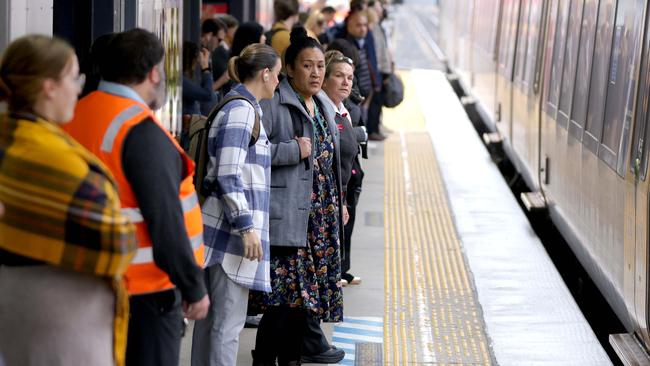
x=566 y=83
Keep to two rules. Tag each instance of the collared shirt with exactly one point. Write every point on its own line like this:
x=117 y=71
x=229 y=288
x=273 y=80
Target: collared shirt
x=120 y=90
x=340 y=109
x=240 y=176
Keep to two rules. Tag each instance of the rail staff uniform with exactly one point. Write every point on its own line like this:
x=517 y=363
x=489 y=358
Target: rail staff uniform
x=154 y=177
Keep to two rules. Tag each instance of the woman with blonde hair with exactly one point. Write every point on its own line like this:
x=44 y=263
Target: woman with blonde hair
x=315 y=24
x=236 y=211
x=64 y=245
x=339 y=76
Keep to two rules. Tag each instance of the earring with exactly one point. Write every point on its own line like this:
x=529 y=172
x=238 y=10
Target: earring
x=266 y=78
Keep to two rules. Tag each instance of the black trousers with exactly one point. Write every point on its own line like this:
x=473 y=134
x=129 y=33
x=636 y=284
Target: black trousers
x=352 y=198
x=155 y=329
x=280 y=334
x=314 y=341
x=374 y=112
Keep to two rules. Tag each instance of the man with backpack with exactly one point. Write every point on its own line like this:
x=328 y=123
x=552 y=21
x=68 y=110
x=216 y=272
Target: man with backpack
x=286 y=15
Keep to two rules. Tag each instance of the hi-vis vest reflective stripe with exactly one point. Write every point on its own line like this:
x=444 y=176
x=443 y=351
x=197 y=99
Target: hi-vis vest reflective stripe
x=101 y=123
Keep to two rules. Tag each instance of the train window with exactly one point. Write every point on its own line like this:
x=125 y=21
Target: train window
x=548 y=60
x=504 y=40
x=625 y=57
x=522 y=41
x=599 y=75
x=512 y=38
x=585 y=56
x=533 y=37
x=571 y=61
x=558 y=53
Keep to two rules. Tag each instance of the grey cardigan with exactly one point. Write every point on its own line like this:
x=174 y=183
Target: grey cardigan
x=291 y=178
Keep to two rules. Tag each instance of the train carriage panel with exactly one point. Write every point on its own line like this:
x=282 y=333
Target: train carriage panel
x=484 y=65
x=507 y=44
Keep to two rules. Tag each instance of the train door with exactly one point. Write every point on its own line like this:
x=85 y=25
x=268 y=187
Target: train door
x=525 y=120
x=505 y=66
x=638 y=258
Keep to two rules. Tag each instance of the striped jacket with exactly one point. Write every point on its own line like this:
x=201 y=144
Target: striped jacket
x=240 y=177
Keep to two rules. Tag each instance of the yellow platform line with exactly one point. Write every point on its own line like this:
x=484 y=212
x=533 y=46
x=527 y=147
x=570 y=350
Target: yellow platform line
x=431 y=313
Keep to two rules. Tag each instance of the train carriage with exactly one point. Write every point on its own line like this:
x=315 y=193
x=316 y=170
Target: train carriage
x=566 y=83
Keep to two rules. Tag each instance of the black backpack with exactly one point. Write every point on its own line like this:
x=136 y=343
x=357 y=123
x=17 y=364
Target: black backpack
x=198 y=146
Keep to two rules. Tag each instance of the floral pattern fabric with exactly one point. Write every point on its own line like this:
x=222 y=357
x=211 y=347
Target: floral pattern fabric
x=310 y=277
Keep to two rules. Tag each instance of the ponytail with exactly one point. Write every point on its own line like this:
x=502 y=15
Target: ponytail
x=252 y=59
x=233 y=71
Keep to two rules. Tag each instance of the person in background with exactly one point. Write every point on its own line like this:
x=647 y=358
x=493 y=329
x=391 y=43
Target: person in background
x=235 y=214
x=330 y=28
x=212 y=32
x=248 y=33
x=369 y=79
x=91 y=66
x=65 y=244
x=194 y=93
x=155 y=180
x=385 y=64
x=305 y=216
x=315 y=24
x=328 y=15
x=221 y=54
x=286 y=15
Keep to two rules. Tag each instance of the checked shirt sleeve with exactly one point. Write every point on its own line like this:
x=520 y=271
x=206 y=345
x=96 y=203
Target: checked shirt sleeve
x=228 y=148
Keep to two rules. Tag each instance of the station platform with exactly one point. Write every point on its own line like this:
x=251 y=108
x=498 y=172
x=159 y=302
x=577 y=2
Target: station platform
x=452 y=271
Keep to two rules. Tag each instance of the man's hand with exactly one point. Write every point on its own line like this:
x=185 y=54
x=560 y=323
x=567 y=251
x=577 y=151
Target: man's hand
x=305 y=146
x=204 y=58
x=346 y=214
x=197 y=310
x=252 y=246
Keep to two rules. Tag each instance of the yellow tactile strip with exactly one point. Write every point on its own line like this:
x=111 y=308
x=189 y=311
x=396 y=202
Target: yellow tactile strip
x=431 y=312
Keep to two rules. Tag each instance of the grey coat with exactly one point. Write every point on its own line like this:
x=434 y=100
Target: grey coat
x=291 y=178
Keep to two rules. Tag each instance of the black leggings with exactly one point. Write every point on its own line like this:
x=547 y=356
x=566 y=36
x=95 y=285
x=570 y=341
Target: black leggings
x=280 y=334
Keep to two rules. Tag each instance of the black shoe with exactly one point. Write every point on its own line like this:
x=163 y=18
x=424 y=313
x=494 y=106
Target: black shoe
x=332 y=355
x=258 y=362
x=376 y=136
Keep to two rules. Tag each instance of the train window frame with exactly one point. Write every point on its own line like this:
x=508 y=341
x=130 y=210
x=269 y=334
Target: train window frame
x=585 y=58
x=506 y=64
x=621 y=96
x=570 y=68
x=546 y=57
x=522 y=37
x=597 y=100
x=641 y=134
x=557 y=62
x=533 y=54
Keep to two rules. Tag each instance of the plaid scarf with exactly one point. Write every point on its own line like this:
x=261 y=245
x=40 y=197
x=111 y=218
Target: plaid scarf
x=62 y=208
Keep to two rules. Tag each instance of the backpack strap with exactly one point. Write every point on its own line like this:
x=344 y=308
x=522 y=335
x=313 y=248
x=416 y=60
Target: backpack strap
x=255 y=133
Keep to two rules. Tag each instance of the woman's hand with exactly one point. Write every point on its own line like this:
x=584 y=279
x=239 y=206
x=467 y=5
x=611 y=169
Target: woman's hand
x=346 y=214
x=305 y=146
x=252 y=245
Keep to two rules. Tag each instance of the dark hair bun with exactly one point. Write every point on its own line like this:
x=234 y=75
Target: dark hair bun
x=298 y=34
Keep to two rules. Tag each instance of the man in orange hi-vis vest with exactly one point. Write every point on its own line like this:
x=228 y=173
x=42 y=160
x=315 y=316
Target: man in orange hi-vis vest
x=154 y=177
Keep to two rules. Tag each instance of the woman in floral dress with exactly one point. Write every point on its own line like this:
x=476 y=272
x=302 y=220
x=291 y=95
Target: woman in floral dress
x=305 y=216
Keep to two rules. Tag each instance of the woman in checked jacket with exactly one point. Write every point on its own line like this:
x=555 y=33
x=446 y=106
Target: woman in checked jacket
x=236 y=213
